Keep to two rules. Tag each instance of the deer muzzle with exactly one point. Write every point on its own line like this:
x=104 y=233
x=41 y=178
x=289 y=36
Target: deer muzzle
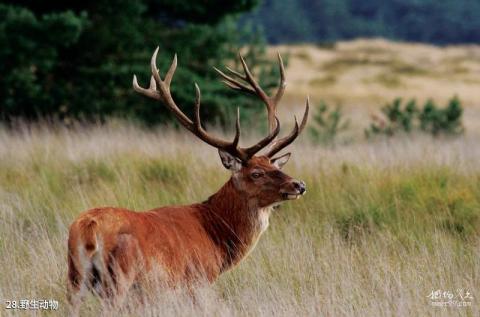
x=294 y=190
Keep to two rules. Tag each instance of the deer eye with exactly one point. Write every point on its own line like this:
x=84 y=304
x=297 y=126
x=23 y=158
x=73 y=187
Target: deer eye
x=256 y=175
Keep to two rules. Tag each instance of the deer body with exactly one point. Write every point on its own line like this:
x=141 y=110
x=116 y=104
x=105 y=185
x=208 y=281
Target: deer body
x=187 y=242
x=112 y=249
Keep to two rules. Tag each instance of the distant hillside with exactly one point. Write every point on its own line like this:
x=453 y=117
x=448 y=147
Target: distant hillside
x=371 y=72
x=431 y=21
x=363 y=75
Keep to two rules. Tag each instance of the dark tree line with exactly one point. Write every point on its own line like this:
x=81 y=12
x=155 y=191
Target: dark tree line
x=433 y=21
x=76 y=59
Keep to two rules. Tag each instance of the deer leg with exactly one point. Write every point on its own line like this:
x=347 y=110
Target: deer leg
x=76 y=281
x=120 y=270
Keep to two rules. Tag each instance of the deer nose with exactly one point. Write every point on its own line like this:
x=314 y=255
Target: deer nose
x=300 y=186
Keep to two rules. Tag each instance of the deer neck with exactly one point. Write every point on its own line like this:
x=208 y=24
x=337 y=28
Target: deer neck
x=234 y=221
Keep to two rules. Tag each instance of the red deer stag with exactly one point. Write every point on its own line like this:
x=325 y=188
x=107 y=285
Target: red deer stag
x=110 y=249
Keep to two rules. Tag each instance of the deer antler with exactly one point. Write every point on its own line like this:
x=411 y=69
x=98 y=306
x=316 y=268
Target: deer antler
x=255 y=89
x=246 y=83
x=280 y=144
x=160 y=90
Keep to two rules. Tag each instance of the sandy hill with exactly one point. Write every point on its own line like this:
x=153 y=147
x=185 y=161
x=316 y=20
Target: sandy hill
x=362 y=75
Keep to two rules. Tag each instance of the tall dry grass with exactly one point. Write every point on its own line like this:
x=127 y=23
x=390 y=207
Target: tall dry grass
x=381 y=226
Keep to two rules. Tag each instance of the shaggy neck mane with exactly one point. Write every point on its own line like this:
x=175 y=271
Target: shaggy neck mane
x=232 y=222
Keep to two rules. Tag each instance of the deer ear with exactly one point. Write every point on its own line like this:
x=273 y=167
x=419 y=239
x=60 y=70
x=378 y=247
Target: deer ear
x=278 y=162
x=229 y=161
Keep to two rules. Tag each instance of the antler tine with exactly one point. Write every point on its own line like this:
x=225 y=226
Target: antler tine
x=150 y=92
x=198 y=97
x=199 y=131
x=236 y=139
x=283 y=83
x=249 y=78
x=160 y=90
x=233 y=83
x=247 y=83
x=266 y=141
x=287 y=140
x=171 y=71
x=203 y=135
x=233 y=71
x=153 y=66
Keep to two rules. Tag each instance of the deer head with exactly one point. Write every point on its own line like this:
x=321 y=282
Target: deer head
x=258 y=176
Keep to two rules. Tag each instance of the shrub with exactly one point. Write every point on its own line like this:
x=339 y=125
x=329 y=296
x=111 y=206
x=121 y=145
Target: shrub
x=447 y=120
x=408 y=118
x=327 y=124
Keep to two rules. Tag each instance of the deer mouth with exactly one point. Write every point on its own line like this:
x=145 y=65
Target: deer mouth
x=291 y=196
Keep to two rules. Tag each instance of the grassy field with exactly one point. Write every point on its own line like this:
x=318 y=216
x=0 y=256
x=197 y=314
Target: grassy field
x=383 y=224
